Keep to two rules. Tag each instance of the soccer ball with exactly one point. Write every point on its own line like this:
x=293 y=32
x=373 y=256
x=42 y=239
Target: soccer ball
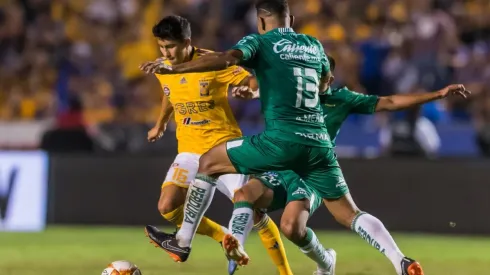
x=121 y=268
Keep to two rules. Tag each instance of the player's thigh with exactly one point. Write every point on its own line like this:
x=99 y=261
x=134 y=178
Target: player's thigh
x=171 y=197
x=256 y=193
x=343 y=209
x=323 y=174
x=183 y=170
x=261 y=153
x=229 y=183
x=216 y=162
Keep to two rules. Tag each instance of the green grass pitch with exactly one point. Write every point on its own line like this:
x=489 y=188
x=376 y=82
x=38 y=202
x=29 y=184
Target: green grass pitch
x=87 y=250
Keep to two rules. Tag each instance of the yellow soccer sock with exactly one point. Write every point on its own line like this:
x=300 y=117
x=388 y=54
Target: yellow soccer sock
x=271 y=239
x=206 y=227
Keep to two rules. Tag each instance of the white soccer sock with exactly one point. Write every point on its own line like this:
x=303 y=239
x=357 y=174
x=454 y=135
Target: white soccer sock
x=241 y=222
x=199 y=198
x=374 y=232
x=315 y=250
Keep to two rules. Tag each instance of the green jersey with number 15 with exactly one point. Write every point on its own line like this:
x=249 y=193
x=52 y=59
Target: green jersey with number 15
x=288 y=67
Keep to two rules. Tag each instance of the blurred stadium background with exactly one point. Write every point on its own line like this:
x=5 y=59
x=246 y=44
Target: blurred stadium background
x=75 y=110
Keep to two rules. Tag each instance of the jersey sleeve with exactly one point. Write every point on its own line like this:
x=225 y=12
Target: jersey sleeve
x=323 y=59
x=249 y=46
x=232 y=75
x=361 y=103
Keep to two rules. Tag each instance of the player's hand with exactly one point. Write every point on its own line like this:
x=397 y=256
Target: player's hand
x=155 y=133
x=243 y=92
x=455 y=89
x=156 y=67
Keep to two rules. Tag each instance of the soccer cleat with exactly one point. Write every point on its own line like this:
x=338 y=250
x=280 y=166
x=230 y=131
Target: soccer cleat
x=411 y=267
x=167 y=242
x=234 y=250
x=232 y=267
x=331 y=256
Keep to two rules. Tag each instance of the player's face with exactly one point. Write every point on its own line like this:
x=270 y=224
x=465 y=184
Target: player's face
x=173 y=51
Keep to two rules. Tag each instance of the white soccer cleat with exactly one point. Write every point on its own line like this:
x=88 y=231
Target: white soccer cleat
x=234 y=250
x=331 y=257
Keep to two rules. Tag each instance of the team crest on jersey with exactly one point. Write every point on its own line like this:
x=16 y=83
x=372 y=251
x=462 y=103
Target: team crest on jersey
x=204 y=87
x=183 y=80
x=166 y=90
x=237 y=71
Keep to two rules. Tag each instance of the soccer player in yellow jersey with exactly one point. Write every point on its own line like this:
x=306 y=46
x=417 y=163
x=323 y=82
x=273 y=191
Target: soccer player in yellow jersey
x=204 y=119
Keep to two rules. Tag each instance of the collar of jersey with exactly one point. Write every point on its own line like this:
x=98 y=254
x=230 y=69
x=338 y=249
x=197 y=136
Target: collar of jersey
x=283 y=30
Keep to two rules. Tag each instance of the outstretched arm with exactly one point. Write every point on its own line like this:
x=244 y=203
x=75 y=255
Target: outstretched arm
x=399 y=102
x=206 y=63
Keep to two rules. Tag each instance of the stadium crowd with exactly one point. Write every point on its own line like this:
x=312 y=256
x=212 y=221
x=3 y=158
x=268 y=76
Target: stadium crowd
x=59 y=56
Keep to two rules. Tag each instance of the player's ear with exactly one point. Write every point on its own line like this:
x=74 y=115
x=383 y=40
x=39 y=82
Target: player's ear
x=262 y=23
x=187 y=42
x=291 y=21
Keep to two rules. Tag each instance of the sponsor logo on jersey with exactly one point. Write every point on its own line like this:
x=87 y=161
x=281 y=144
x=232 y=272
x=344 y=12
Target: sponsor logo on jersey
x=204 y=87
x=330 y=105
x=315 y=136
x=183 y=80
x=166 y=90
x=194 y=107
x=311 y=118
x=288 y=50
x=188 y=121
x=341 y=182
x=286 y=46
x=237 y=71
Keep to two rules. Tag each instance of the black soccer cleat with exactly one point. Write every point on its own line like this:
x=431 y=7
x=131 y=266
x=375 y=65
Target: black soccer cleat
x=411 y=267
x=167 y=242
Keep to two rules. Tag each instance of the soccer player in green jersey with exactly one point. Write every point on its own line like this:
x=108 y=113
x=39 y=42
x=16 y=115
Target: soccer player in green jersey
x=291 y=69
x=274 y=190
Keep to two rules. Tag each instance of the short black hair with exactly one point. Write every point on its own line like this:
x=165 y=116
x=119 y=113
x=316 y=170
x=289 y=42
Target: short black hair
x=273 y=7
x=331 y=60
x=173 y=27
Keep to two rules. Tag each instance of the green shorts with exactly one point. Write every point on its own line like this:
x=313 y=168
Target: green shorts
x=317 y=166
x=287 y=187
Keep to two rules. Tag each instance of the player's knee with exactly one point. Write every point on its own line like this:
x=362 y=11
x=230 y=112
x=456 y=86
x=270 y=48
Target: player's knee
x=293 y=230
x=206 y=165
x=241 y=196
x=166 y=205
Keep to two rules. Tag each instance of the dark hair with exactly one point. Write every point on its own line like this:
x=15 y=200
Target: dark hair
x=173 y=27
x=331 y=60
x=273 y=7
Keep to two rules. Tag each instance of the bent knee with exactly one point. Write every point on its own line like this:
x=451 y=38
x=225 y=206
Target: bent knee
x=292 y=229
x=168 y=204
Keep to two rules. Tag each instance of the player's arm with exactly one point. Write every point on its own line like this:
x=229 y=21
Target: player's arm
x=400 y=102
x=244 y=51
x=166 y=111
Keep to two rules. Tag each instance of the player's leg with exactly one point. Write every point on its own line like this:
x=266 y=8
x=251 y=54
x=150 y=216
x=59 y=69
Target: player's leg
x=301 y=204
x=171 y=207
x=172 y=198
x=270 y=237
x=373 y=231
x=293 y=226
x=212 y=164
x=327 y=180
x=268 y=231
x=245 y=155
x=252 y=195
